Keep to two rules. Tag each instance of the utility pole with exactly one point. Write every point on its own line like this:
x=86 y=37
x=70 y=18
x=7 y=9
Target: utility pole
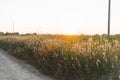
x=109 y=10
x=13 y=28
x=1 y=29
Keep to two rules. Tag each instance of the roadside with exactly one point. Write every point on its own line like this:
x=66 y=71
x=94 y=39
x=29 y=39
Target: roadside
x=12 y=68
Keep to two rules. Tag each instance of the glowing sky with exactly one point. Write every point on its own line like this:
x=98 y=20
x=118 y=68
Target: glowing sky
x=59 y=16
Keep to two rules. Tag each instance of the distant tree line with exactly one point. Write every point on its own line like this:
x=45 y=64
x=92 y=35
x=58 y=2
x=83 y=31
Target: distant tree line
x=16 y=33
x=9 y=33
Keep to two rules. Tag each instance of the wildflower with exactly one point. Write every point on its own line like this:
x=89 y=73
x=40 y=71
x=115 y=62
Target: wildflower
x=119 y=76
x=87 y=67
x=98 y=60
x=106 y=60
x=73 y=66
x=72 y=58
x=76 y=59
x=97 y=63
x=90 y=57
x=116 y=57
x=62 y=53
x=103 y=54
x=113 y=66
x=78 y=49
x=106 y=41
x=103 y=47
x=90 y=40
x=116 y=41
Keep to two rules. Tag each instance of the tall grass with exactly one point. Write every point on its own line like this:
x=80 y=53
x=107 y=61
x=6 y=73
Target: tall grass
x=69 y=57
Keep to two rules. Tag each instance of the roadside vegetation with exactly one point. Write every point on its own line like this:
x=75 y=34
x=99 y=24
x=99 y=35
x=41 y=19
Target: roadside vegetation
x=65 y=57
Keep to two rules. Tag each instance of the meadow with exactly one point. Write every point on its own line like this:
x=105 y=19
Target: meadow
x=68 y=57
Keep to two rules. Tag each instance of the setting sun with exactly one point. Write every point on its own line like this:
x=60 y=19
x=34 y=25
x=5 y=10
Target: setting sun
x=71 y=30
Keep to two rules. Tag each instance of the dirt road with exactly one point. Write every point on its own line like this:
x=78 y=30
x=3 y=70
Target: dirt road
x=13 y=69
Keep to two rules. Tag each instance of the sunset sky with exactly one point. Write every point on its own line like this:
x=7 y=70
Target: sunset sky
x=59 y=16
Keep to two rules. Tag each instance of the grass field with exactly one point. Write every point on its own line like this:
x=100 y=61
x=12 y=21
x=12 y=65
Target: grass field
x=65 y=57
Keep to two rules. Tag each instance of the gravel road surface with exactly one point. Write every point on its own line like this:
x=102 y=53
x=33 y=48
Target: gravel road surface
x=12 y=68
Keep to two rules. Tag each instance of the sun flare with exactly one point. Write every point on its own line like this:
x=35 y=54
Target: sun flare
x=71 y=31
